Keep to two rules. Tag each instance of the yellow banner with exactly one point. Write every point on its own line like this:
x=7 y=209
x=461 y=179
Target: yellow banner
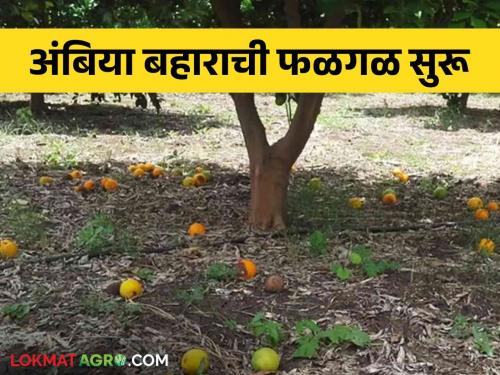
x=250 y=60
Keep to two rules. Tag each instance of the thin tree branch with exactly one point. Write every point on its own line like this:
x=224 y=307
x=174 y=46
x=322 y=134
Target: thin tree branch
x=253 y=129
x=302 y=125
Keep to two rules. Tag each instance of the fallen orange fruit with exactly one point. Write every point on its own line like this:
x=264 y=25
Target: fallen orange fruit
x=403 y=177
x=475 y=203
x=196 y=229
x=482 y=214
x=138 y=173
x=130 y=288
x=493 y=206
x=157 y=172
x=485 y=244
x=397 y=171
x=357 y=203
x=46 y=180
x=247 y=268
x=8 y=249
x=109 y=184
x=389 y=198
x=188 y=182
x=199 y=179
x=89 y=185
x=75 y=175
x=148 y=167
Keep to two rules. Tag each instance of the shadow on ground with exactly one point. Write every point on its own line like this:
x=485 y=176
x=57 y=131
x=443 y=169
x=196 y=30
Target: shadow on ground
x=433 y=240
x=480 y=119
x=107 y=118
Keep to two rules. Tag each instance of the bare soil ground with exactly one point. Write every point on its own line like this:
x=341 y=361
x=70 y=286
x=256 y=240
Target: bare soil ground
x=409 y=313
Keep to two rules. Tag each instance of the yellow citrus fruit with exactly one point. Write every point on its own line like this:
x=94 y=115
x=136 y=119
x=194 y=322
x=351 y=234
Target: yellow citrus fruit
x=8 y=249
x=357 y=203
x=247 y=268
x=199 y=179
x=389 y=198
x=493 y=206
x=196 y=229
x=130 y=288
x=157 y=172
x=475 y=203
x=195 y=362
x=75 y=175
x=482 y=214
x=397 y=171
x=89 y=185
x=46 y=180
x=188 y=182
x=315 y=183
x=404 y=178
x=148 y=167
x=485 y=244
x=138 y=173
x=265 y=359
x=109 y=184
x=131 y=168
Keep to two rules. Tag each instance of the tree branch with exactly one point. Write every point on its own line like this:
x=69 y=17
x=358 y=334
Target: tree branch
x=253 y=129
x=302 y=125
x=229 y=14
x=292 y=12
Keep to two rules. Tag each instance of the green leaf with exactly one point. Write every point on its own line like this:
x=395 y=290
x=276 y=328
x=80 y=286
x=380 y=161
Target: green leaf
x=16 y=311
x=493 y=5
x=360 y=338
x=28 y=16
x=371 y=269
x=482 y=340
x=457 y=25
x=460 y=16
x=478 y=23
x=307 y=325
x=308 y=347
x=272 y=332
x=363 y=251
x=460 y=328
x=341 y=272
x=340 y=334
x=317 y=243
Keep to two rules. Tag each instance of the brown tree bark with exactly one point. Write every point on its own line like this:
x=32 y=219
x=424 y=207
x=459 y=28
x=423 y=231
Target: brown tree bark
x=270 y=164
x=37 y=104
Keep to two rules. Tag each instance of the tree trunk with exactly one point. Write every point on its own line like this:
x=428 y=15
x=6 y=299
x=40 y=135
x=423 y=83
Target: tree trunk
x=269 y=184
x=270 y=165
x=37 y=104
